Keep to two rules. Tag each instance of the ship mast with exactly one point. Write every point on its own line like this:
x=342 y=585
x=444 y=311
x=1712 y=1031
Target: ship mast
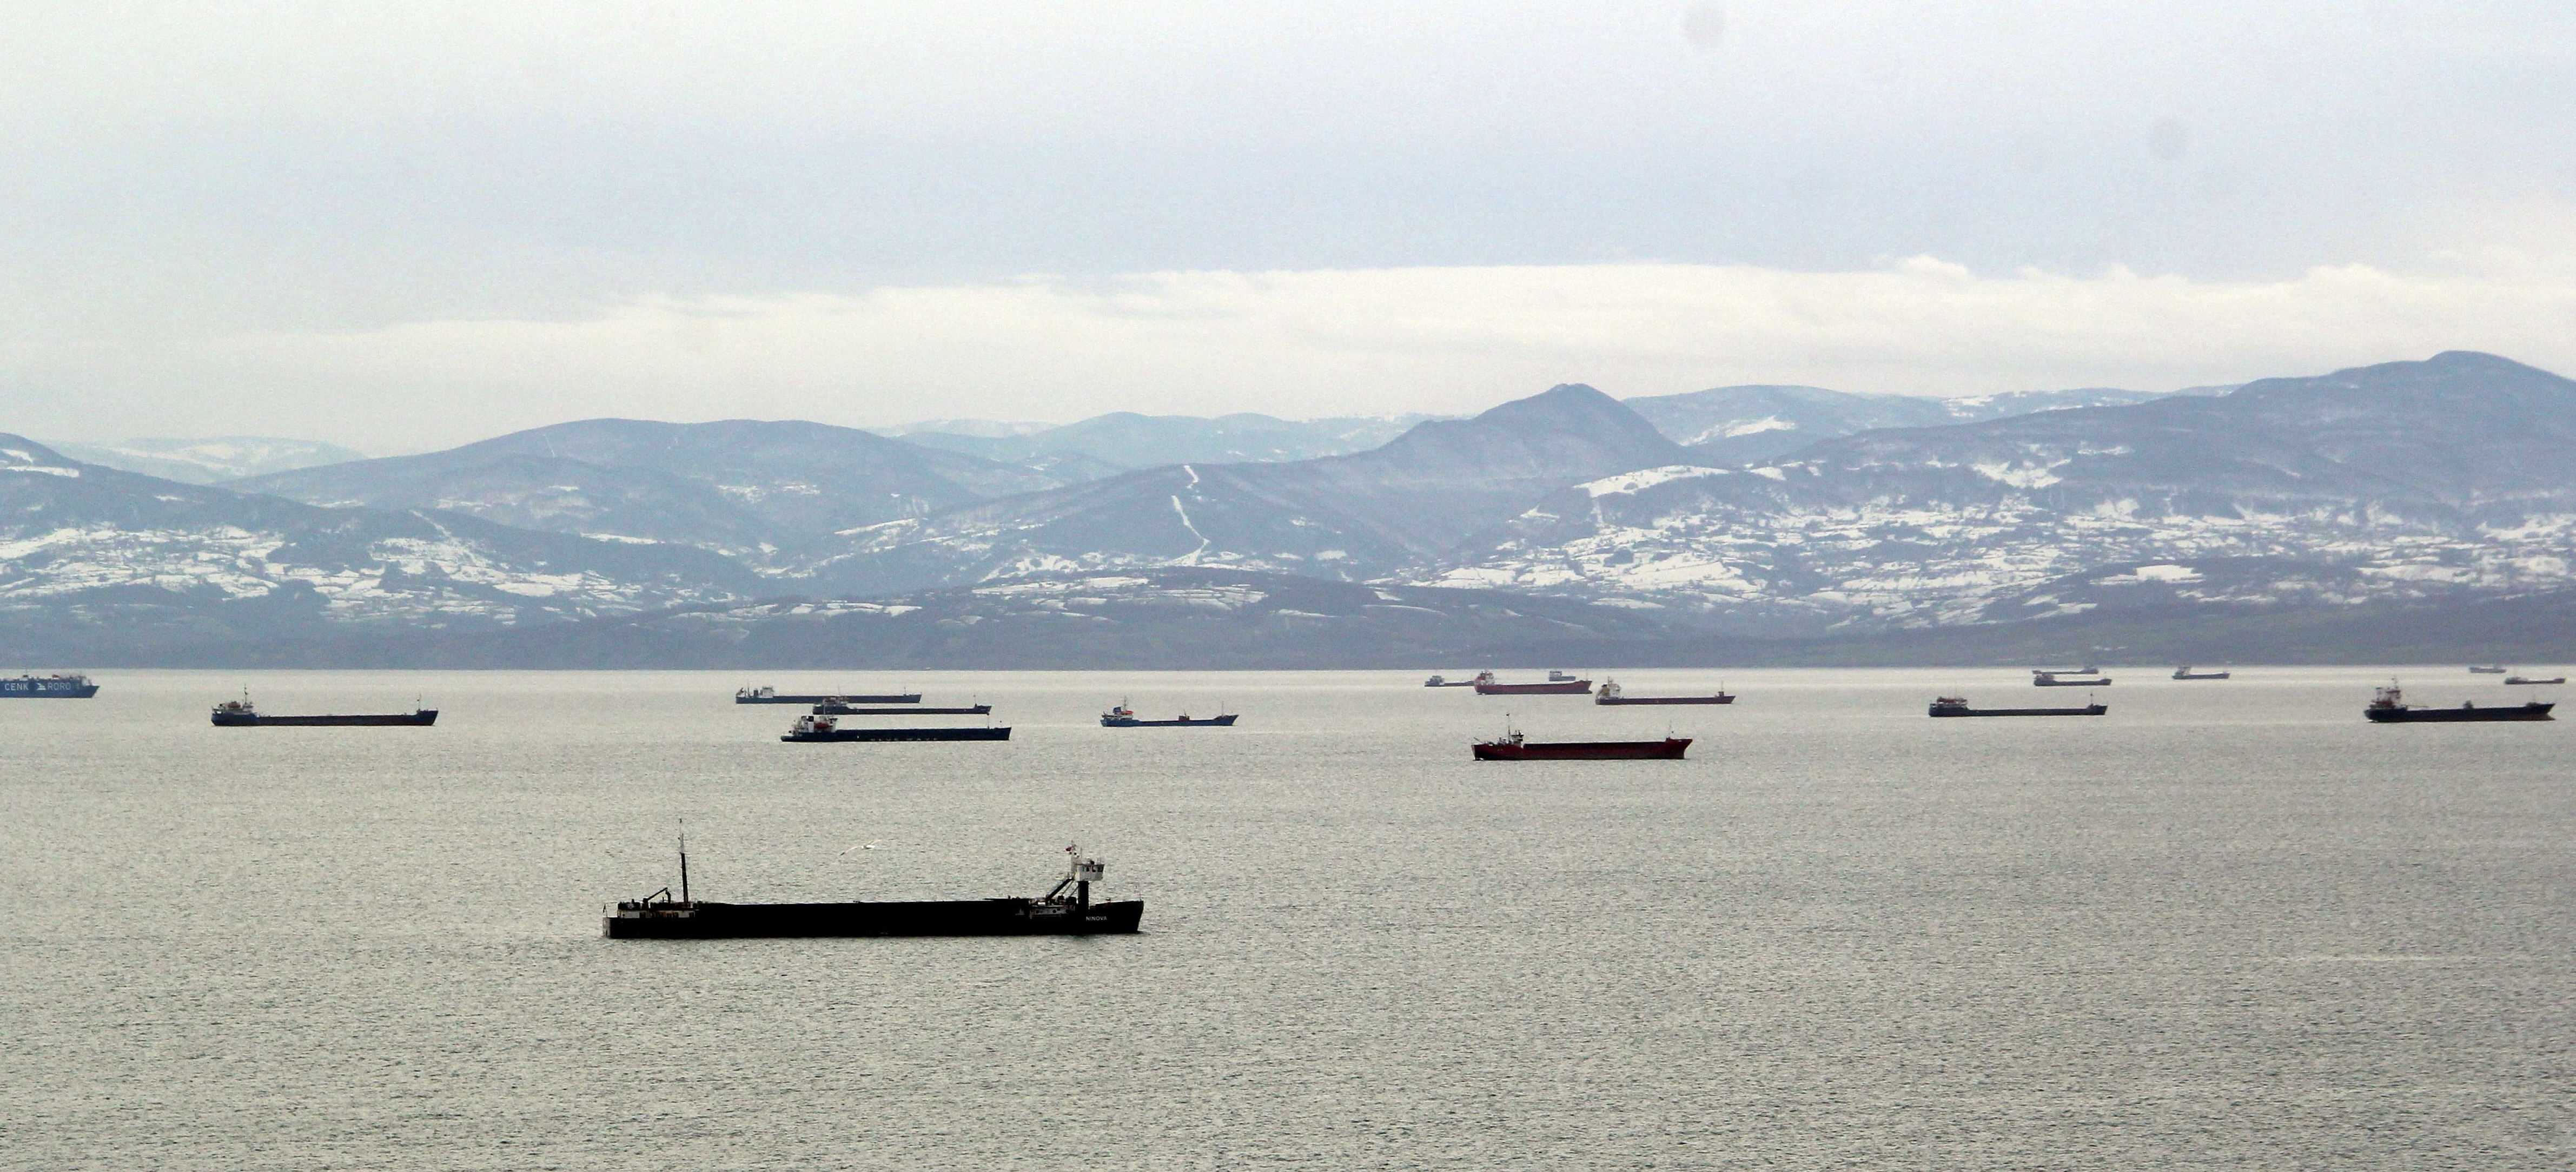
x=684 y=860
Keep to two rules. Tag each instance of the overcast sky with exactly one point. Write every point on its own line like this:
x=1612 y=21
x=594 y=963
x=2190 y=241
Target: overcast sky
x=401 y=226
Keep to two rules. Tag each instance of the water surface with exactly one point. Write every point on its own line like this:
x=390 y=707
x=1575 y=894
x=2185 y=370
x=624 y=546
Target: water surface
x=2228 y=925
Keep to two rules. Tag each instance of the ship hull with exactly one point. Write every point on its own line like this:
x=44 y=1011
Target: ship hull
x=2103 y=682
x=422 y=718
x=1718 y=699
x=902 y=698
x=962 y=917
x=1226 y=721
x=1567 y=688
x=2204 y=675
x=45 y=690
x=2532 y=711
x=901 y=734
x=2087 y=710
x=1668 y=749
x=846 y=710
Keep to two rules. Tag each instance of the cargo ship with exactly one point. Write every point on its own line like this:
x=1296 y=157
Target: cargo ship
x=2047 y=679
x=2086 y=670
x=241 y=714
x=2495 y=669
x=659 y=916
x=2389 y=706
x=1958 y=706
x=774 y=696
x=839 y=708
x=1124 y=717
x=1511 y=746
x=2519 y=680
x=53 y=687
x=1610 y=694
x=1486 y=686
x=1446 y=682
x=2185 y=673
x=811 y=729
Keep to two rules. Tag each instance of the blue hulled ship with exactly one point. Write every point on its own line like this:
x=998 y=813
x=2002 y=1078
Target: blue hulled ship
x=53 y=687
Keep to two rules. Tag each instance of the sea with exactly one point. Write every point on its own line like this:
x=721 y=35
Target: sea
x=2228 y=925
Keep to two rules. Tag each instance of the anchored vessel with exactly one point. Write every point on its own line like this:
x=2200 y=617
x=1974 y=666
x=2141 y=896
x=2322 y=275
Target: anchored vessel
x=810 y=728
x=1446 y=682
x=773 y=696
x=1557 y=677
x=2185 y=673
x=2048 y=679
x=1486 y=686
x=2527 y=680
x=2086 y=670
x=2493 y=669
x=1124 y=717
x=1511 y=746
x=2389 y=706
x=1958 y=706
x=240 y=714
x=660 y=917
x=1610 y=694
x=837 y=708
x=53 y=687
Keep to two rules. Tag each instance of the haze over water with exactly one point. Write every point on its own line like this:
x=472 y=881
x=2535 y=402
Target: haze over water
x=2229 y=924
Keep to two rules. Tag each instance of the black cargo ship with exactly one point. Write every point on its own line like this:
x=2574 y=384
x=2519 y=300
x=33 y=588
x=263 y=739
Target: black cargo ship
x=240 y=714
x=2389 y=706
x=53 y=687
x=1610 y=694
x=660 y=917
x=1124 y=717
x=774 y=696
x=838 y=709
x=1958 y=706
x=815 y=729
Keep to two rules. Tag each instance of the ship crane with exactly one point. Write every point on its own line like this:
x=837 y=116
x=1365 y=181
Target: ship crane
x=1079 y=873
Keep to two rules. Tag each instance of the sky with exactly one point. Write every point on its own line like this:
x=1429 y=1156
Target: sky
x=401 y=227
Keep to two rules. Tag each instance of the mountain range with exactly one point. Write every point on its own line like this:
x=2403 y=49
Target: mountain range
x=208 y=461
x=1121 y=441
x=1706 y=520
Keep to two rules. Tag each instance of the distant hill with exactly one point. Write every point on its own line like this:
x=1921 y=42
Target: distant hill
x=86 y=548
x=1124 y=440
x=2406 y=480
x=208 y=461
x=763 y=492
x=1728 y=426
x=1349 y=516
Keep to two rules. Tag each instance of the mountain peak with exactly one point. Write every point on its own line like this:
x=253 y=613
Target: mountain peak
x=19 y=451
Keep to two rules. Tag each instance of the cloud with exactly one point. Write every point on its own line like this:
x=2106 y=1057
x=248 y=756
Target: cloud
x=1379 y=340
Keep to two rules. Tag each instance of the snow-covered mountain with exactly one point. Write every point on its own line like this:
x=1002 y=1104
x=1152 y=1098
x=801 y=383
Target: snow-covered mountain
x=82 y=544
x=1105 y=445
x=2448 y=484
x=208 y=461
x=768 y=494
x=1355 y=516
x=1728 y=426
x=2385 y=482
